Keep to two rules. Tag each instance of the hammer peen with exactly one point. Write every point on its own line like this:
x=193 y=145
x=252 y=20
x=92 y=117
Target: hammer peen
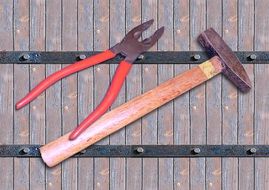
x=223 y=61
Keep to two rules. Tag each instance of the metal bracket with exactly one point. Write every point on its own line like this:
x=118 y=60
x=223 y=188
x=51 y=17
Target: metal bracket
x=161 y=57
x=141 y=151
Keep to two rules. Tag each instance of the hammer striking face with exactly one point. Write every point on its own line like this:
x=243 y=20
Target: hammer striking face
x=230 y=64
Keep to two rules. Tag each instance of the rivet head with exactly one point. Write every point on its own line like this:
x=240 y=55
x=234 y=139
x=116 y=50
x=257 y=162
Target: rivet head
x=81 y=57
x=139 y=150
x=252 y=57
x=252 y=150
x=140 y=57
x=25 y=150
x=196 y=57
x=25 y=56
x=196 y=150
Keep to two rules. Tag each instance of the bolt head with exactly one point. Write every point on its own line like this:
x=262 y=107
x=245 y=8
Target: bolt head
x=253 y=57
x=83 y=151
x=82 y=56
x=140 y=150
x=196 y=57
x=252 y=150
x=25 y=150
x=25 y=56
x=196 y=150
x=140 y=57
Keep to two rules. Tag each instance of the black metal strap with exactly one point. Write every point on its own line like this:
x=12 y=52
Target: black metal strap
x=148 y=151
x=162 y=57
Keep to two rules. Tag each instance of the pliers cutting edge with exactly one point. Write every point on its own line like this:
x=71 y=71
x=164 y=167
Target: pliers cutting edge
x=130 y=47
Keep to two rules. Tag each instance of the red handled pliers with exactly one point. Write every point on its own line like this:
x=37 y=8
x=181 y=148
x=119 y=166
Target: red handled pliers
x=130 y=47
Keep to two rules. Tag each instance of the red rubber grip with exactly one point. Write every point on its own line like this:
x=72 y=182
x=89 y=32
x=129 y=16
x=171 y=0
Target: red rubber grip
x=109 y=98
x=50 y=80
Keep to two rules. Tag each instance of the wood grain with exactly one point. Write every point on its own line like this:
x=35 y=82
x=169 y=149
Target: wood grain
x=197 y=98
x=101 y=82
x=246 y=101
x=165 y=113
x=21 y=87
x=149 y=122
x=229 y=99
x=53 y=94
x=261 y=112
x=181 y=104
x=6 y=93
x=213 y=104
x=133 y=167
x=69 y=89
x=60 y=149
x=85 y=87
x=37 y=107
x=117 y=165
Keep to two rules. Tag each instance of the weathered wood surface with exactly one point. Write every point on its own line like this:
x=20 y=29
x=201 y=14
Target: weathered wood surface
x=53 y=94
x=229 y=99
x=261 y=107
x=246 y=102
x=85 y=87
x=214 y=113
x=213 y=107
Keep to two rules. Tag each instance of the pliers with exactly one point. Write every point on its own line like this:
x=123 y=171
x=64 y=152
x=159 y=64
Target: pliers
x=130 y=48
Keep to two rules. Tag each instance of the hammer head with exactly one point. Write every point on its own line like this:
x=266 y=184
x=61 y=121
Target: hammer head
x=232 y=67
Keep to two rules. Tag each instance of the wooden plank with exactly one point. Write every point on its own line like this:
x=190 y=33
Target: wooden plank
x=261 y=112
x=117 y=32
x=165 y=113
x=101 y=82
x=85 y=86
x=213 y=104
x=181 y=105
x=6 y=93
x=197 y=98
x=149 y=122
x=69 y=89
x=229 y=99
x=53 y=94
x=21 y=88
x=246 y=101
x=37 y=107
x=133 y=83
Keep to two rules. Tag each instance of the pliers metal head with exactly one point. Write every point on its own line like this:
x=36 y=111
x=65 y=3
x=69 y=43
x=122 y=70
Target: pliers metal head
x=131 y=47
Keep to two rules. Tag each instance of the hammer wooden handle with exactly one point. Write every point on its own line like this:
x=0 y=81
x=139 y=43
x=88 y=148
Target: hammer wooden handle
x=60 y=149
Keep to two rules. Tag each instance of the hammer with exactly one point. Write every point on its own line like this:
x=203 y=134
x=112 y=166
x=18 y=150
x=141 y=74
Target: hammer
x=223 y=61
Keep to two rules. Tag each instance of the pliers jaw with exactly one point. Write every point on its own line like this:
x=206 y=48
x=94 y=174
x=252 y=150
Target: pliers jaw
x=130 y=47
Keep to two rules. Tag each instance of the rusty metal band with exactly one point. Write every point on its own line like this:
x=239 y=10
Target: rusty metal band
x=161 y=57
x=141 y=151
